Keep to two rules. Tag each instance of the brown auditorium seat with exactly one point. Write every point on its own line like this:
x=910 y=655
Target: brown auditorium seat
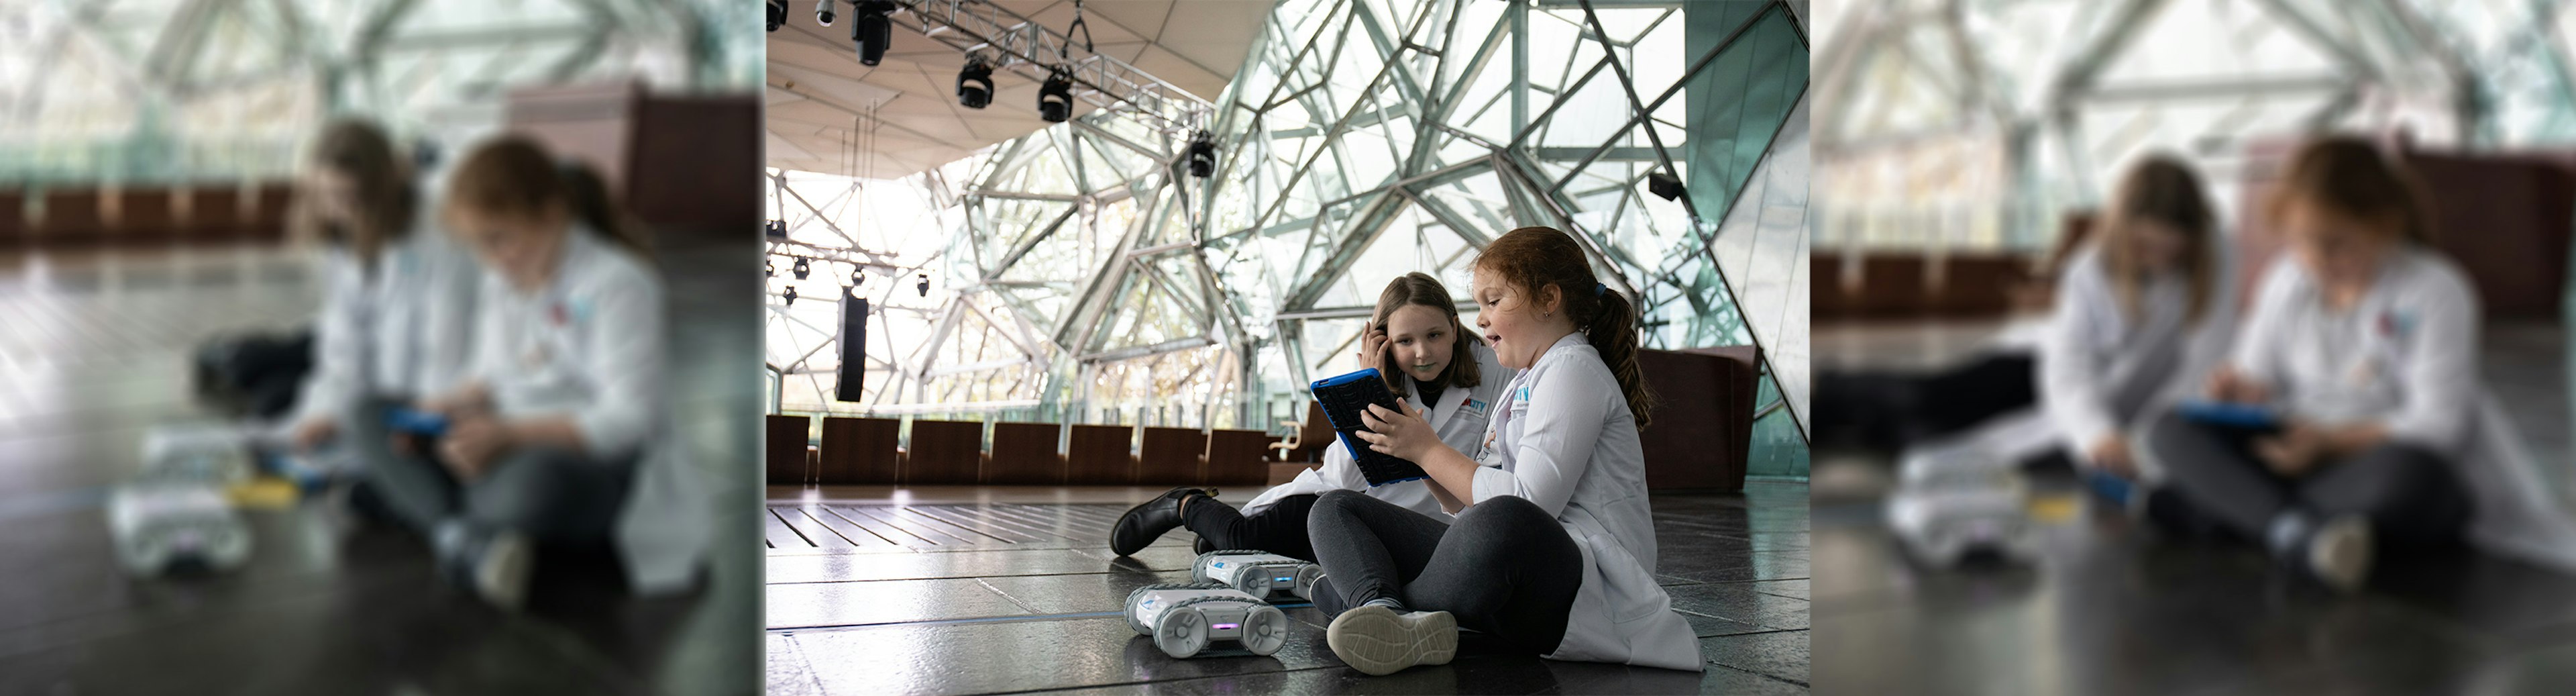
x=944 y=453
x=785 y=449
x=1098 y=455
x=1234 y=458
x=1700 y=434
x=13 y=217
x=1170 y=456
x=858 y=451
x=1025 y=453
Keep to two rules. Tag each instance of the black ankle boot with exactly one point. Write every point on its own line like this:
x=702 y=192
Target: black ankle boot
x=1145 y=523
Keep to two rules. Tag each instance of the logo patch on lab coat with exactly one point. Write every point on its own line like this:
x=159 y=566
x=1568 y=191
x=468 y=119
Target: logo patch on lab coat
x=1472 y=404
x=564 y=312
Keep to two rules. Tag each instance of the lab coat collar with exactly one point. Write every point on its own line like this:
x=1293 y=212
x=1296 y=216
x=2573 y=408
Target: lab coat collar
x=1573 y=339
x=579 y=241
x=1439 y=413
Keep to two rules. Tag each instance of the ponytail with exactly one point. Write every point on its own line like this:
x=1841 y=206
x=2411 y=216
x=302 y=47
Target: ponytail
x=1532 y=258
x=1613 y=332
x=586 y=196
x=513 y=175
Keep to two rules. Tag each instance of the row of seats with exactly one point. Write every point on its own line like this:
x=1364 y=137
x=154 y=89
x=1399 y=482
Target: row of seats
x=88 y=216
x=2503 y=216
x=865 y=451
x=1701 y=441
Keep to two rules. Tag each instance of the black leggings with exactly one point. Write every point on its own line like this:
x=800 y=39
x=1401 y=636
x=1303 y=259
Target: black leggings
x=1279 y=529
x=1505 y=567
x=2410 y=495
x=1891 y=409
x=554 y=496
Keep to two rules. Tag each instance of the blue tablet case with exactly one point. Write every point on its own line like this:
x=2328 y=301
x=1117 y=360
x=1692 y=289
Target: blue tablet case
x=1344 y=398
x=2231 y=415
x=420 y=423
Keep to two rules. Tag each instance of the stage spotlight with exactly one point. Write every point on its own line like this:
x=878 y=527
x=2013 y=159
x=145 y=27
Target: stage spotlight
x=774 y=229
x=823 y=12
x=777 y=14
x=924 y=285
x=858 y=277
x=769 y=268
x=801 y=269
x=790 y=294
x=1055 y=98
x=975 y=83
x=1202 y=155
x=871 y=30
x=1665 y=186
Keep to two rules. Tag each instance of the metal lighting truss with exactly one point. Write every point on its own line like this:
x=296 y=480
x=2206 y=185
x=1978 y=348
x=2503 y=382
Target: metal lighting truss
x=1080 y=275
x=1023 y=45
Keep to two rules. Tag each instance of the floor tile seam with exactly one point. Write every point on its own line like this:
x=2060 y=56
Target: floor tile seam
x=969 y=620
x=1140 y=682
x=1765 y=675
x=961 y=577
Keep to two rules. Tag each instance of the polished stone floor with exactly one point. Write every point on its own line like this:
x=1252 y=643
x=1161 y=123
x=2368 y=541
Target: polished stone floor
x=971 y=590
x=93 y=353
x=2107 y=608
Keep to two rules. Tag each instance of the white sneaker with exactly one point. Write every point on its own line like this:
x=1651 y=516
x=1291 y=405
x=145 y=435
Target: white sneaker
x=2339 y=553
x=1378 y=640
x=501 y=572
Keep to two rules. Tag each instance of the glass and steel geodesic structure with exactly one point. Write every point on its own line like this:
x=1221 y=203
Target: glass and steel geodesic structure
x=150 y=91
x=1081 y=274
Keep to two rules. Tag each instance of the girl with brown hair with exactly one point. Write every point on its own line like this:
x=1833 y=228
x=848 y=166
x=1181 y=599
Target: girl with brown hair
x=2142 y=314
x=2363 y=344
x=1429 y=358
x=563 y=399
x=1552 y=548
x=398 y=296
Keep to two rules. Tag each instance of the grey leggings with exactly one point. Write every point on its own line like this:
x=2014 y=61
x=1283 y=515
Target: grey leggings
x=551 y=495
x=2410 y=495
x=1505 y=567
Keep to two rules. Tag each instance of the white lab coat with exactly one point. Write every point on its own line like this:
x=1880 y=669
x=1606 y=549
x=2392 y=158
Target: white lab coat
x=2406 y=357
x=401 y=331
x=2103 y=371
x=1459 y=419
x=1566 y=441
x=591 y=346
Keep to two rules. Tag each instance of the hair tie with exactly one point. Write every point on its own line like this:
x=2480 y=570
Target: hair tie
x=1598 y=288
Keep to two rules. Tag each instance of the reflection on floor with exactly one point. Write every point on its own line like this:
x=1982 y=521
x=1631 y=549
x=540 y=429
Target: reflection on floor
x=93 y=352
x=983 y=590
x=2107 y=609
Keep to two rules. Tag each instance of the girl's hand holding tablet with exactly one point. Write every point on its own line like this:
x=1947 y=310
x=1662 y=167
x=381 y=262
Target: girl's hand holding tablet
x=1404 y=435
x=2295 y=451
x=2228 y=385
x=471 y=443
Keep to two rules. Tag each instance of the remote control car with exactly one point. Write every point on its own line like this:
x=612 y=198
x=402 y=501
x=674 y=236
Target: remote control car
x=1184 y=619
x=1955 y=501
x=1261 y=574
x=176 y=511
